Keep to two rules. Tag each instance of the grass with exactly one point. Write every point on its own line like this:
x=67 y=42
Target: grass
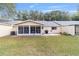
x=39 y=45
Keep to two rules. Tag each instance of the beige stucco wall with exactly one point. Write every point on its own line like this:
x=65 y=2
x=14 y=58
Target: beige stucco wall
x=50 y=31
x=5 y=30
x=69 y=29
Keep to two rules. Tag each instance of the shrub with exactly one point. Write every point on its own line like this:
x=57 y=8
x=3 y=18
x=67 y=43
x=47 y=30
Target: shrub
x=64 y=33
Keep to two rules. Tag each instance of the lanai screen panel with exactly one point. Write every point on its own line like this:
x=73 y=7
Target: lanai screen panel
x=77 y=29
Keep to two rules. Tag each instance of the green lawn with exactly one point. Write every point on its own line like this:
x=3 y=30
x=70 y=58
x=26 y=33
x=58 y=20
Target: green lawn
x=39 y=45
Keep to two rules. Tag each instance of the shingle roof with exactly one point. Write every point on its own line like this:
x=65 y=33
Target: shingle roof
x=47 y=23
x=55 y=23
x=5 y=22
x=68 y=22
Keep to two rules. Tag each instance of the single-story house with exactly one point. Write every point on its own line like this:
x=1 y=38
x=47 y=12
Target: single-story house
x=30 y=27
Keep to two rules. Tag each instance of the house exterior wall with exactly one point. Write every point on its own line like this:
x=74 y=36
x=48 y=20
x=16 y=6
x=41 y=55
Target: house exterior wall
x=15 y=28
x=69 y=29
x=5 y=30
x=50 y=31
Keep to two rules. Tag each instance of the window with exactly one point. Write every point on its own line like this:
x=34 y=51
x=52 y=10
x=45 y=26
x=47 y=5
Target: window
x=26 y=30
x=23 y=30
x=35 y=29
x=38 y=30
x=32 y=29
x=20 y=29
x=46 y=31
x=54 y=28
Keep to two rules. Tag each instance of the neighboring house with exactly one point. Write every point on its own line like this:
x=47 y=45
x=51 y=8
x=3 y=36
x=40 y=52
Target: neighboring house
x=30 y=27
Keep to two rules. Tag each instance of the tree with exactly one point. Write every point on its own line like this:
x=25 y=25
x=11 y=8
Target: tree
x=59 y=15
x=41 y=16
x=48 y=16
x=34 y=14
x=75 y=17
x=7 y=10
x=22 y=15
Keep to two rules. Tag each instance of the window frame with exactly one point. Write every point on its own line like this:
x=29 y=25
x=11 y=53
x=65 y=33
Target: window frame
x=27 y=29
x=32 y=29
x=20 y=29
x=38 y=29
x=53 y=28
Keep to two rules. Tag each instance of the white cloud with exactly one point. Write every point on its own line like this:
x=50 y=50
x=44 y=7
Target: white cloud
x=46 y=11
x=73 y=12
x=33 y=5
x=57 y=7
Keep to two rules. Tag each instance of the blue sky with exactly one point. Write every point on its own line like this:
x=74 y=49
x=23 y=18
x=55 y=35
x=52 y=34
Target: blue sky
x=45 y=7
